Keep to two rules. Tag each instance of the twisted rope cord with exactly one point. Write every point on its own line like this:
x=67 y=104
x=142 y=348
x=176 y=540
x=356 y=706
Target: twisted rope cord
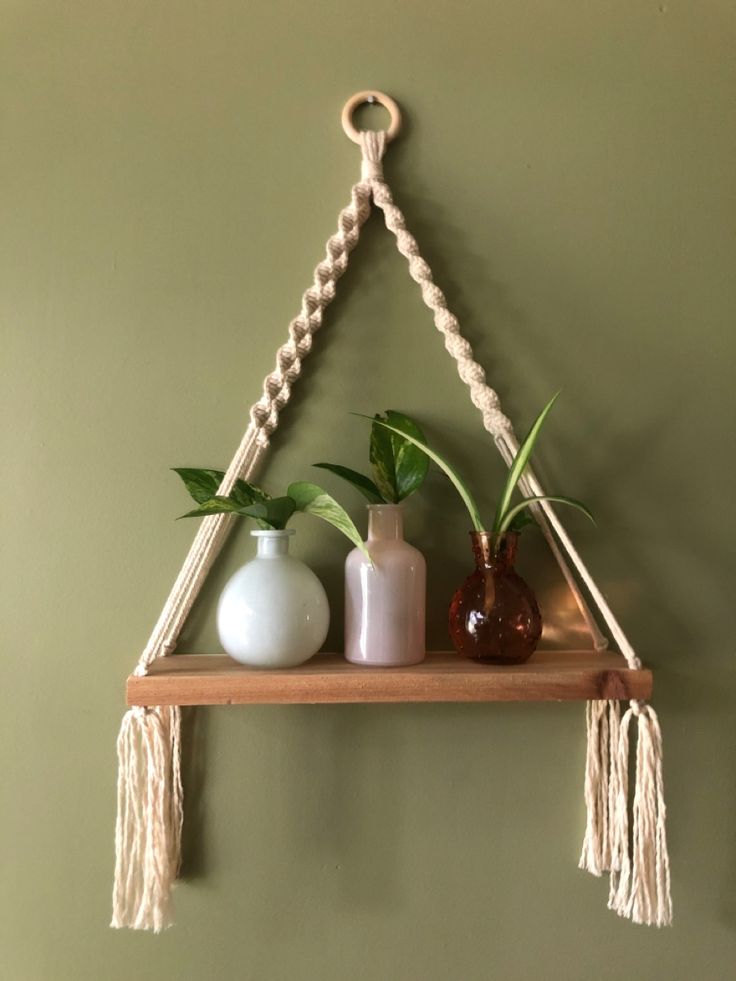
x=482 y=395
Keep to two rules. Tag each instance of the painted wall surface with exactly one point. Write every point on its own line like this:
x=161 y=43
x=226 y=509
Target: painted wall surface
x=169 y=175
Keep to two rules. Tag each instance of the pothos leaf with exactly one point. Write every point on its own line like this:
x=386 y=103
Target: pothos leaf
x=215 y=505
x=447 y=469
x=312 y=499
x=410 y=462
x=381 y=455
x=362 y=483
x=201 y=484
x=274 y=513
x=521 y=520
x=244 y=493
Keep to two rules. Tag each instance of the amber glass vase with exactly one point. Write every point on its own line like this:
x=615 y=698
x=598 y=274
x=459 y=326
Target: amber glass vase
x=494 y=615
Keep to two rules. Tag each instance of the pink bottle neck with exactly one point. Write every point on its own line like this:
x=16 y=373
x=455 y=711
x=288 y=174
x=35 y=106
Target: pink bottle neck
x=385 y=522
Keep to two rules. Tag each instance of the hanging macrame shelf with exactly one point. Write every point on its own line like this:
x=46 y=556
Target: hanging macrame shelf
x=559 y=676
x=622 y=837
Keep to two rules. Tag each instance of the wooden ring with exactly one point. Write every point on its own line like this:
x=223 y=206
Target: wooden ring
x=372 y=96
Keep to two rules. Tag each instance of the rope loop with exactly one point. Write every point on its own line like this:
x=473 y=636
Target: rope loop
x=373 y=147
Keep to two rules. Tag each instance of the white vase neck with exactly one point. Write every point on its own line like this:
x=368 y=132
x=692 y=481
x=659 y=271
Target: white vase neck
x=273 y=544
x=385 y=522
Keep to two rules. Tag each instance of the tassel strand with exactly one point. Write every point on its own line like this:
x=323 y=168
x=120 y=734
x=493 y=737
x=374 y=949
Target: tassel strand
x=149 y=821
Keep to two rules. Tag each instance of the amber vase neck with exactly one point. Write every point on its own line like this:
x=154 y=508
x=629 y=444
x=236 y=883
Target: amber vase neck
x=494 y=552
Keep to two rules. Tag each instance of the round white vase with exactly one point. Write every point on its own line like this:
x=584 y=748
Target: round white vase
x=385 y=601
x=273 y=613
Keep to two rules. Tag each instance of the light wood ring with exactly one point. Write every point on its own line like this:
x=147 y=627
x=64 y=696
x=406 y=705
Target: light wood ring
x=370 y=95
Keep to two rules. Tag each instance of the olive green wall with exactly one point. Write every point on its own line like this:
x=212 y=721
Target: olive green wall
x=170 y=172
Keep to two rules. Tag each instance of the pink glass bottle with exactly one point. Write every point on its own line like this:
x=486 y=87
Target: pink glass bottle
x=385 y=602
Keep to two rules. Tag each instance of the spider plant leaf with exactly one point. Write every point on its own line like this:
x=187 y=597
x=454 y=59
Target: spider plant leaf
x=215 y=505
x=519 y=464
x=201 y=484
x=362 y=483
x=515 y=511
x=274 y=512
x=383 y=464
x=446 y=468
x=312 y=499
x=410 y=463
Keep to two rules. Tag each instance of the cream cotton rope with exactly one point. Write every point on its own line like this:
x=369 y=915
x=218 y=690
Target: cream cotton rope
x=150 y=800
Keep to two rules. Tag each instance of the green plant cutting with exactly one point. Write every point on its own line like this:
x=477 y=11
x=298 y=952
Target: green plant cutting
x=509 y=516
x=272 y=513
x=398 y=460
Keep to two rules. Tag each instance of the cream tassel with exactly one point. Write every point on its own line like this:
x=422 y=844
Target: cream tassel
x=640 y=876
x=602 y=718
x=149 y=821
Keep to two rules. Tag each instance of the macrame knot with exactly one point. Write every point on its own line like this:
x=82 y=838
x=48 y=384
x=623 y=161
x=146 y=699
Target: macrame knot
x=373 y=145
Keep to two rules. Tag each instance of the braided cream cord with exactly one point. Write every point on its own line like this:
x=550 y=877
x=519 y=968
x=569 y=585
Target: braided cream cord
x=277 y=386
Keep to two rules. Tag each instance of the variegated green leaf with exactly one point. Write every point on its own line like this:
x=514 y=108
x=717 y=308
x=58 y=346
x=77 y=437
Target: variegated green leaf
x=362 y=483
x=201 y=484
x=410 y=462
x=244 y=493
x=312 y=499
x=215 y=505
x=381 y=455
x=447 y=469
x=274 y=513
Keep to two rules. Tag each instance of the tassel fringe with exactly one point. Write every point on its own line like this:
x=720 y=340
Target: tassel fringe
x=149 y=820
x=602 y=720
x=635 y=853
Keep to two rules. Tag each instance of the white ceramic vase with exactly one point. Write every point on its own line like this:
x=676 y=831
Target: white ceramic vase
x=273 y=613
x=385 y=602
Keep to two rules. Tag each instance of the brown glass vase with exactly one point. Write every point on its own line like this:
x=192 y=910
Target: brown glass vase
x=494 y=615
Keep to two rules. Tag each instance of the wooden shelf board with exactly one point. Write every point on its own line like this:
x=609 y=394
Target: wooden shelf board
x=201 y=679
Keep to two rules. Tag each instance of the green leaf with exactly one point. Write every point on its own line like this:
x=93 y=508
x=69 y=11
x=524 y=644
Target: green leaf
x=520 y=521
x=312 y=499
x=215 y=505
x=244 y=493
x=513 y=512
x=364 y=484
x=381 y=455
x=410 y=463
x=201 y=484
x=518 y=466
x=447 y=469
x=275 y=512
